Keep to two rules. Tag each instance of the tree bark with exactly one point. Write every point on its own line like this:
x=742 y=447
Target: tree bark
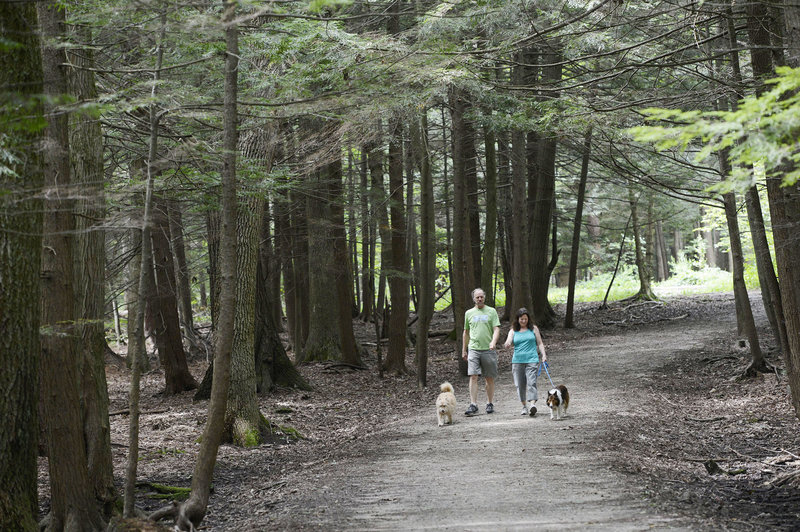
x=86 y=144
x=784 y=205
x=183 y=291
x=462 y=279
x=163 y=307
x=661 y=253
x=759 y=22
x=490 y=240
x=343 y=272
x=645 y=291
x=20 y=259
x=427 y=248
x=71 y=496
x=243 y=421
x=191 y=512
x=143 y=285
x=576 y=230
x=505 y=224
x=519 y=235
x=368 y=231
x=398 y=279
x=272 y=365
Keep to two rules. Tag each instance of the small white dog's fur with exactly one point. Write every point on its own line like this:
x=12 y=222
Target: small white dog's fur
x=558 y=401
x=446 y=404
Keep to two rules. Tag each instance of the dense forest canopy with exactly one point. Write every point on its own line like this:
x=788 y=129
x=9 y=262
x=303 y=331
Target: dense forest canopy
x=251 y=168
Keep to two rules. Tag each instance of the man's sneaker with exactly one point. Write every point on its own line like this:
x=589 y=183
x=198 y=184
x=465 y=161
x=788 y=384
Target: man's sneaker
x=472 y=410
x=524 y=410
x=489 y=408
x=532 y=411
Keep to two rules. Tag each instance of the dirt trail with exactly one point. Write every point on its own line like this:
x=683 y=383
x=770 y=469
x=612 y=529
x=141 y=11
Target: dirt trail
x=504 y=471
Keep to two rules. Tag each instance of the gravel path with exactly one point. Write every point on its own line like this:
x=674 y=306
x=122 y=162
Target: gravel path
x=504 y=471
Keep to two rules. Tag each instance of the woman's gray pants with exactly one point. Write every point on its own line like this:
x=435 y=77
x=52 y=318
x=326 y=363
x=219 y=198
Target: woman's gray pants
x=525 y=380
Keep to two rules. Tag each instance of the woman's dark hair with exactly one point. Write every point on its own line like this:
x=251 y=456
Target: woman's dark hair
x=522 y=312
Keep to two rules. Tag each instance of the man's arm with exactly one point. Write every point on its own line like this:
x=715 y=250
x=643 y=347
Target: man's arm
x=495 y=336
x=464 y=344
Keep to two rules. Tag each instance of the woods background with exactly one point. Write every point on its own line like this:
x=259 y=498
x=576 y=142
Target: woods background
x=202 y=176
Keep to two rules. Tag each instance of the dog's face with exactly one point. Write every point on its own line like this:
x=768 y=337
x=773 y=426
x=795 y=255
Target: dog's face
x=553 y=399
x=446 y=401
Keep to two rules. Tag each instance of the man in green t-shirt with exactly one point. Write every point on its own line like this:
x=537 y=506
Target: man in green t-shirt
x=481 y=331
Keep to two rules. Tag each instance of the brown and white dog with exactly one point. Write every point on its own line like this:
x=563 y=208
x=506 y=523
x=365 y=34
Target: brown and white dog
x=558 y=401
x=446 y=404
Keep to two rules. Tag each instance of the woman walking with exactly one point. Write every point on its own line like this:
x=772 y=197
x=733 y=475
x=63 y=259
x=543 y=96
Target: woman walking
x=527 y=342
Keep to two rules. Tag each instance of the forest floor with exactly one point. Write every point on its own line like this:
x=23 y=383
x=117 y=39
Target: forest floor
x=660 y=434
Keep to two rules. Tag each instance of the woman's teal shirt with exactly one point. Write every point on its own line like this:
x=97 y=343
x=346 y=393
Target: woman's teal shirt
x=525 y=348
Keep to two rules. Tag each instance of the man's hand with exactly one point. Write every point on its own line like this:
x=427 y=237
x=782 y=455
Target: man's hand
x=464 y=355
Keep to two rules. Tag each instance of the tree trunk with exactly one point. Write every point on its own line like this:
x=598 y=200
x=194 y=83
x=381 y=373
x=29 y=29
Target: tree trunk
x=427 y=249
x=143 y=285
x=20 y=258
x=183 y=291
x=490 y=240
x=576 y=230
x=300 y=238
x=343 y=273
x=213 y=223
x=272 y=365
x=462 y=280
x=398 y=279
x=86 y=144
x=270 y=258
x=412 y=239
x=379 y=199
x=368 y=230
x=645 y=291
x=784 y=206
x=163 y=308
x=758 y=363
x=770 y=290
x=758 y=30
x=324 y=339
x=519 y=235
x=191 y=512
x=283 y=239
x=540 y=232
x=505 y=224
x=71 y=497
x=661 y=253
x=469 y=158
x=352 y=230
x=243 y=421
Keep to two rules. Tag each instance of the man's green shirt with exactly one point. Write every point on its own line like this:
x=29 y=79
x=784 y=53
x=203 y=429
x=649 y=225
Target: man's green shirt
x=480 y=322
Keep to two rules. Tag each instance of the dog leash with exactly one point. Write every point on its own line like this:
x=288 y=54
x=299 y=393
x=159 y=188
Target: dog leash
x=544 y=365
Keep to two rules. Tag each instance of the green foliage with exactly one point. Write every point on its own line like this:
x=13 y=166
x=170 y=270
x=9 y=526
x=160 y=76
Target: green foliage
x=626 y=284
x=321 y=6
x=762 y=132
x=163 y=491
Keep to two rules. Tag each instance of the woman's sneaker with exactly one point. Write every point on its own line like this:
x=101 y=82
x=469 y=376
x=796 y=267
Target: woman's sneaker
x=489 y=408
x=532 y=411
x=472 y=410
x=524 y=410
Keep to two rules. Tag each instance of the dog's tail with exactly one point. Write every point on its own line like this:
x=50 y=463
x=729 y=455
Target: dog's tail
x=446 y=387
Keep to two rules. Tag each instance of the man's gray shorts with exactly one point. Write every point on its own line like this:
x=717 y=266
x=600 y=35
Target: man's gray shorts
x=482 y=363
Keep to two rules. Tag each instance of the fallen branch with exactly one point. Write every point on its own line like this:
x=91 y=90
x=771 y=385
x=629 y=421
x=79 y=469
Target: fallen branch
x=127 y=411
x=675 y=318
x=633 y=305
x=343 y=365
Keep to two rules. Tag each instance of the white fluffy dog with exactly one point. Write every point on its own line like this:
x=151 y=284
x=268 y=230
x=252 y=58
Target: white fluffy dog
x=446 y=404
